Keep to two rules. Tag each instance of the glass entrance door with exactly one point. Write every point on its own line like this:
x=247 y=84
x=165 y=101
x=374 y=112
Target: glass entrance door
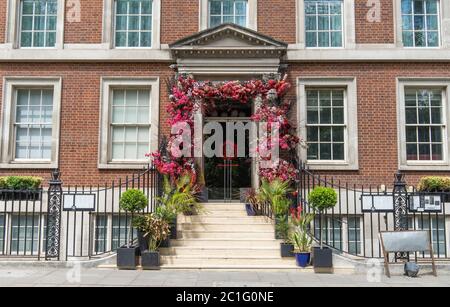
x=227 y=176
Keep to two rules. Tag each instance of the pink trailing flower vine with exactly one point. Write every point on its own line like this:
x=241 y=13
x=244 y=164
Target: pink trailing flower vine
x=188 y=95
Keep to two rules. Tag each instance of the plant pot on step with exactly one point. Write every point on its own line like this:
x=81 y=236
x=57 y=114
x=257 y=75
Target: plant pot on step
x=287 y=250
x=203 y=195
x=150 y=260
x=250 y=210
x=173 y=229
x=165 y=243
x=323 y=260
x=302 y=259
x=127 y=258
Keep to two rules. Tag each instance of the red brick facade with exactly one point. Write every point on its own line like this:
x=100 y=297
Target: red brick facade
x=80 y=108
x=373 y=27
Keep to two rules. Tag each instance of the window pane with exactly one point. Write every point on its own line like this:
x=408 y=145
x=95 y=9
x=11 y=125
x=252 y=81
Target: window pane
x=313 y=134
x=324 y=39
x=325 y=115
x=215 y=7
x=411 y=151
x=311 y=23
x=336 y=39
x=424 y=134
x=338 y=152
x=424 y=152
x=311 y=39
x=437 y=152
x=325 y=151
x=313 y=150
x=338 y=115
x=330 y=138
x=411 y=134
x=133 y=23
x=325 y=134
x=227 y=11
x=131 y=106
x=38 y=23
x=33 y=107
x=338 y=134
x=313 y=116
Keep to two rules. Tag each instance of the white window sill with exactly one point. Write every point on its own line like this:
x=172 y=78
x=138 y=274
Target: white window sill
x=29 y=165
x=124 y=165
x=436 y=166
x=332 y=166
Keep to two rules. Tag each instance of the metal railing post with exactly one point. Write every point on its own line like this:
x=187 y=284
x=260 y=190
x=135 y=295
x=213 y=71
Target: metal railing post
x=53 y=235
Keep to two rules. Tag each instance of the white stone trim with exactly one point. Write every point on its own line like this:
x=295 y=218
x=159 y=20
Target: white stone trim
x=108 y=25
x=7 y=143
x=349 y=31
x=13 y=26
x=252 y=17
x=217 y=67
x=444 y=26
x=404 y=164
x=351 y=119
x=107 y=84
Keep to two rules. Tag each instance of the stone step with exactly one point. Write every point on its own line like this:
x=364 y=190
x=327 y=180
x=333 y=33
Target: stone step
x=224 y=207
x=226 y=235
x=202 y=219
x=221 y=213
x=196 y=262
x=229 y=243
x=254 y=227
x=220 y=252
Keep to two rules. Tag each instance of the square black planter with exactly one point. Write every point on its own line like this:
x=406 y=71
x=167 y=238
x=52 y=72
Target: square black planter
x=21 y=195
x=127 y=258
x=150 y=260
x=287 y=250
x=323 y=260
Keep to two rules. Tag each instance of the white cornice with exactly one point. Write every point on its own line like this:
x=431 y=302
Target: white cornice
x=96 y=53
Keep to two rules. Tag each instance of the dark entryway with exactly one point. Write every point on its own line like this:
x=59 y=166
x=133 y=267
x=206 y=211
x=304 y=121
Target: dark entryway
x=228 y=177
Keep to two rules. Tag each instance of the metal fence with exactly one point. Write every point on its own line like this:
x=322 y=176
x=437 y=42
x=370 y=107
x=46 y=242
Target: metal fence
x=68 y=222
x=353 y=225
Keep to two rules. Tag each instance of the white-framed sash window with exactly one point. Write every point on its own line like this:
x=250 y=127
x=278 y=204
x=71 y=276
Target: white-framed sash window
x=129 y=125
x=31 y=122
x=328 y=122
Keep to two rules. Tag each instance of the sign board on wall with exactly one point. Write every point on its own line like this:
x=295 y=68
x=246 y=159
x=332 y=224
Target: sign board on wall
x=425 y=203
x=377 y=203
x=79 y=202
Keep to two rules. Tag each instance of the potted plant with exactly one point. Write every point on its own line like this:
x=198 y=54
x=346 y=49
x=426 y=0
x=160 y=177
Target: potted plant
x=168 y=208
x=131 y=201
x=275 y=192
x=322 y=199
x=252 y=203
x=155 y=230
x=436 y=184
x=300 y=236
x=20 y=188
x=286 y=247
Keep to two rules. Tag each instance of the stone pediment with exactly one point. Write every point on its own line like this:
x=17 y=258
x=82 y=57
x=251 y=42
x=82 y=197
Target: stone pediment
x=228 y=40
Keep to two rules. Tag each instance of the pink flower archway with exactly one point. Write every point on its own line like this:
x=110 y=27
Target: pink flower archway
x=187 y=96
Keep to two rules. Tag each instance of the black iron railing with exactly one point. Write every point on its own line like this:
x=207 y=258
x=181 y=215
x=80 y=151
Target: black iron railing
x=74 y=222
x=362 y=211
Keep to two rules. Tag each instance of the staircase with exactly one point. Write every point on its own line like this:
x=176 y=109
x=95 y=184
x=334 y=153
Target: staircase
x=224 y=237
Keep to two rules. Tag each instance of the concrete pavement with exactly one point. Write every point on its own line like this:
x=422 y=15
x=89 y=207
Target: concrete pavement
x=80 y=277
